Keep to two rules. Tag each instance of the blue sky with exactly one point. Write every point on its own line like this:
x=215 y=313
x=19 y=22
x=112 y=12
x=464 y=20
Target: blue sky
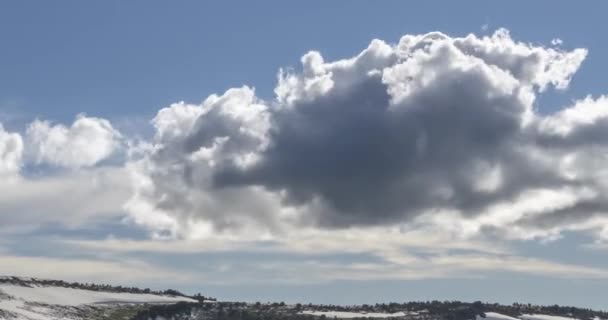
x=233 y=193
x=116 y=59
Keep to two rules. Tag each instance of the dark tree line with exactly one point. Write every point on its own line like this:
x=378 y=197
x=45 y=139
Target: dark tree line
x=453 y=310
x=429 y=310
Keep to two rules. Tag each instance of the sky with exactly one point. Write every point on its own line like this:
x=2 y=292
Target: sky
x=327 y=152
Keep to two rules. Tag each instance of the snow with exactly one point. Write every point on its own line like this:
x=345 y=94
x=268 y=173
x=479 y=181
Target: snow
x=74 y=297
x=19 y=308
x=47 y=303
x=543 y=317
x=349 y=315
x=489 y=315
x=496 y=316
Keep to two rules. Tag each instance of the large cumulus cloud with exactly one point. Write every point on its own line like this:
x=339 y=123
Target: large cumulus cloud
x=433 y=129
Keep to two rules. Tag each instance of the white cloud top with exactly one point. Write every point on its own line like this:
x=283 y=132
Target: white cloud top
x=84 y=144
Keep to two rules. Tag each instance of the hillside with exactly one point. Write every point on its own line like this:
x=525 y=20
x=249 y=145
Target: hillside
x=38 y=299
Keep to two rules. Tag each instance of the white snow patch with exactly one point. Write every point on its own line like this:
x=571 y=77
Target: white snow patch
x=543 y=317
x=496 y=316
x=49 y=303
x=74 y=297
x=349 y=315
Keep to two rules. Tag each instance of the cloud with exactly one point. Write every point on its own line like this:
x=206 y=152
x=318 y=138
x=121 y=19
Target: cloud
x=87 y=270
x=175 y=179
x=31 y=192
x=68 y=199
x=88 y=141
x=322 y=256
x=11 y=151
x=412 y=160
x=432 y=130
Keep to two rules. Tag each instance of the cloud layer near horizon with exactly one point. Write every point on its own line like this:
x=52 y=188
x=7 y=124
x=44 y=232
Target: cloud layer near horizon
x=432 y=132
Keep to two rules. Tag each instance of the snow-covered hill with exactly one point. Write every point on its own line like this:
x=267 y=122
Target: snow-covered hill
x=498 y=316
x=416 y=316
x=28 y=300
x=351 y=315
